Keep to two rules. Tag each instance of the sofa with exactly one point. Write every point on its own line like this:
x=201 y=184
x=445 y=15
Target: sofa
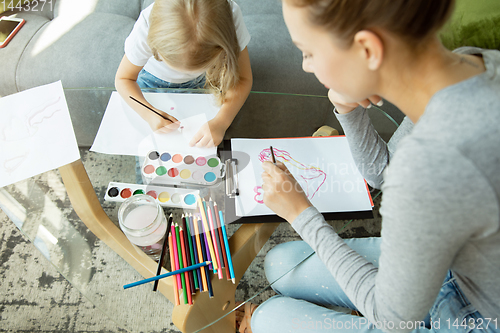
x=81 y=44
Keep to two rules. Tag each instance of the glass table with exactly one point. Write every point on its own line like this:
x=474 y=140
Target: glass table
x=63 y=213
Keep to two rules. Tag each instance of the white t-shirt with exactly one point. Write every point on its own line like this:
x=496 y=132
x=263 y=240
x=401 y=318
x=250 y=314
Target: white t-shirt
x=139 y=53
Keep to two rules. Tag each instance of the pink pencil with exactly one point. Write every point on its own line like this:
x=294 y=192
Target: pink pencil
x=214 y=237
x=172 y=260
x=176 y=256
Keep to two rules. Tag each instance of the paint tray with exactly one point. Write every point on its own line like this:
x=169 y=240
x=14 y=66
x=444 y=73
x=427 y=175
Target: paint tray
x=165 y=196
x=179 y=168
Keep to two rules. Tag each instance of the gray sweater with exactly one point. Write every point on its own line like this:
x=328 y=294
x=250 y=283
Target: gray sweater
x=440 y=205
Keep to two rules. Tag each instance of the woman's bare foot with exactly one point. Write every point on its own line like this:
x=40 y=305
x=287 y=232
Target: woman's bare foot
x=244 y=316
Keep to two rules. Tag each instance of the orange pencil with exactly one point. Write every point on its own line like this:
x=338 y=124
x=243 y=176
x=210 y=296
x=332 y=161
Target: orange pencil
x=174 y=278
x=200 y=254
x=186 y=275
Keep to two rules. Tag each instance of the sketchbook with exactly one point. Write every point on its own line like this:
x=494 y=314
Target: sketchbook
x=323 y=166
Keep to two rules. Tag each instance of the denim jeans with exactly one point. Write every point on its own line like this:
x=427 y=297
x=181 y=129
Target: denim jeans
x=307 y=294
x=148 y=82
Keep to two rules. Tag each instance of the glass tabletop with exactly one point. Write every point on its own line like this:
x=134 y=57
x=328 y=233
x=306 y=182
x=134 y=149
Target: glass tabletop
x=41 y=209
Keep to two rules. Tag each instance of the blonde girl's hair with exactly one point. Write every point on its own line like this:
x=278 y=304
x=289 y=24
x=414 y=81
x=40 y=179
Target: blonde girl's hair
x=197 y=35
x=413 y=20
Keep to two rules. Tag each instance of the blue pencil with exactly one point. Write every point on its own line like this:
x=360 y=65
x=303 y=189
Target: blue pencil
x=228 y=250
x=154 y=278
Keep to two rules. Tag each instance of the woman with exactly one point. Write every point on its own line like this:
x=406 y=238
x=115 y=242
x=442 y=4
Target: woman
x=437 y=263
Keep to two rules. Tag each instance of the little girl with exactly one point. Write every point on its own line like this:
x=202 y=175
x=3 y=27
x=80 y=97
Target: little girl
x=188 y=44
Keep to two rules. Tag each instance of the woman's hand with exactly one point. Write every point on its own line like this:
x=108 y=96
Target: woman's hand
x=161 y=125
x=209 y=135
x=342 y=107
x=282 y=193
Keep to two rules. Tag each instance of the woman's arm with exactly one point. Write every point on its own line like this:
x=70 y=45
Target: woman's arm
x=369 y=151
x=427 y=220
x=213 y=133
x=126 y=85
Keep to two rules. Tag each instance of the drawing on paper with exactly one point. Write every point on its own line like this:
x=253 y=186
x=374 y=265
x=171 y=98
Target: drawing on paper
x=18 y=129
x=311 y=178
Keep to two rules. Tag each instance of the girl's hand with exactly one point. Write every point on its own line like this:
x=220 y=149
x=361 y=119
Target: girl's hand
x=342 y=107
x=282 y=193
x=161 y=125
x=209 y=135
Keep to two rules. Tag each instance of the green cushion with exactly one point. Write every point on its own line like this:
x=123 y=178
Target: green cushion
x=474 y=23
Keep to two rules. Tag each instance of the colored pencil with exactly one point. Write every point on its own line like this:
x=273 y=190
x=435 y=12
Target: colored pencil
x=191 y=250
x=188 y=261
x=206 y=243
x=185 y=263
x=207 y=272
x=176 y=255
x=163 y=251
x=207 y=250
x=215 y=240
x=272 y=154
x=181 y=265
x=172 y=260
x=150 y=109
x=200 y=254
x=218 y=234
x=205 y=225
x=223 y=241
x=155 y=278
x=228 y=250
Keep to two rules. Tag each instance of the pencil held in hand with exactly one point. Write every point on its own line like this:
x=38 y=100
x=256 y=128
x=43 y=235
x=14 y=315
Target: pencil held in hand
x=173 y=123
x=272 y=154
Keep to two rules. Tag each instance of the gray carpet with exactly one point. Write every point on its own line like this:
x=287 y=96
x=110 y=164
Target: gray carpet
x=35 y=297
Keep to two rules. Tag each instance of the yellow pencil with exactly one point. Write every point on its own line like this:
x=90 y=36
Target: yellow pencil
x=209 y=238
x=200 y=254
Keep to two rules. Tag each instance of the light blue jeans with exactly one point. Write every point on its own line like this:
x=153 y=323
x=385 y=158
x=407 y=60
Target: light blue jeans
x=148 y=82
x=308 y=292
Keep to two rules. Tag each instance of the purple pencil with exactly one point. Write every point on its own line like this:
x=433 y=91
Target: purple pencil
x=203 y=231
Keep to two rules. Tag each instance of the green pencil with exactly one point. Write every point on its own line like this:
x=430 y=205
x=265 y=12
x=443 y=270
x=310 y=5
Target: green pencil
x=181 y=265
x=191 y=250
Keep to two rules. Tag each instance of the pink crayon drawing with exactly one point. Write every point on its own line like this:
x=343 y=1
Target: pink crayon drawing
x=310 y=176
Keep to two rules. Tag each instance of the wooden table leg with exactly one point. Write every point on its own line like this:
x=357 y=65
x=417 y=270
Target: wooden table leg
x=86 y=204
x=245 y=243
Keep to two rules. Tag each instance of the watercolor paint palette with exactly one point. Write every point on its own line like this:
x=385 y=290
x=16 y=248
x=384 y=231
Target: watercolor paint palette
x=172 y=168
x=166 y=196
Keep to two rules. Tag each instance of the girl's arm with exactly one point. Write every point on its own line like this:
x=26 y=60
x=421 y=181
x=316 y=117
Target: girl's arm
x=213 y=133
x=126 y=85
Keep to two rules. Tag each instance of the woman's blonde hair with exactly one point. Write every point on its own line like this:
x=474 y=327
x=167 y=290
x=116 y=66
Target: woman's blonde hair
x=413 y=20
x=196 y=35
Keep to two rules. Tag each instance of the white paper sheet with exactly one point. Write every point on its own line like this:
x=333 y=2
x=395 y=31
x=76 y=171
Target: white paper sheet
x=323 y=166
x=124 y=132
x=36 y=134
